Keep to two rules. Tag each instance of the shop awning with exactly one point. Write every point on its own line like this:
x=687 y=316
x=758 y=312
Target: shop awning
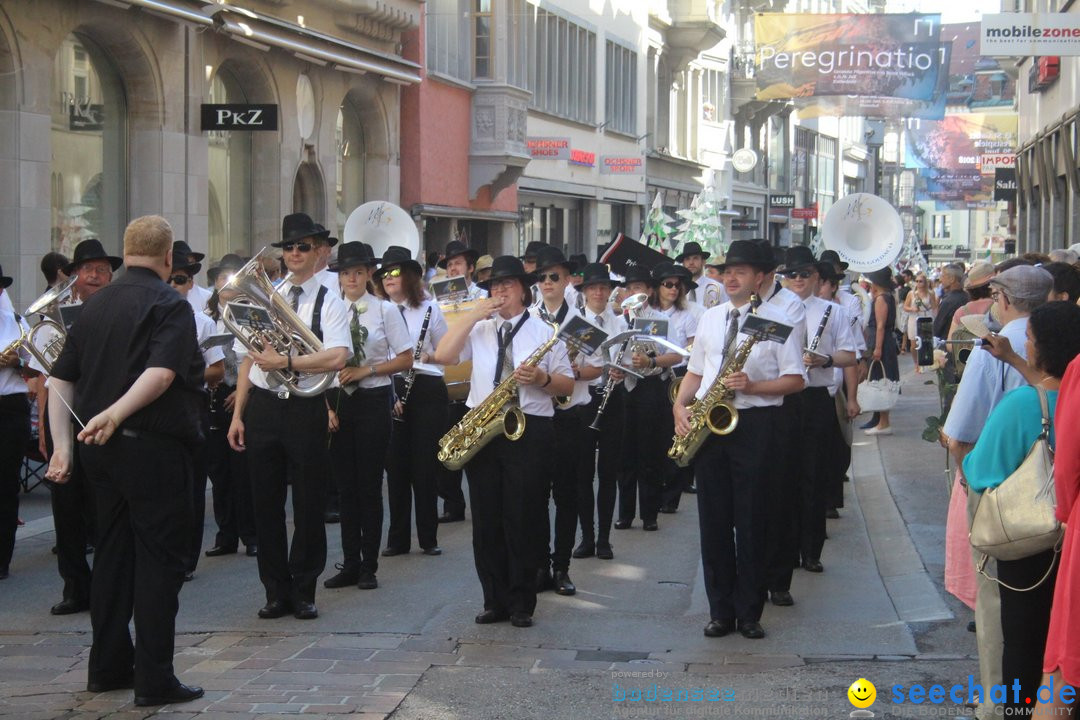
x=448 y=211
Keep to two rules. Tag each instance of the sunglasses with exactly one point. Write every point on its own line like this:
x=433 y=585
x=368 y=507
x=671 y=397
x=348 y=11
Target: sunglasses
x=803 y=274
x=180 y=279
x=393 y=272
x=553 y=277
x=671 y=284
x=301 y=246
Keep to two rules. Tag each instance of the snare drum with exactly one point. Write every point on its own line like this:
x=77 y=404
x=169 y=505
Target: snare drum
x=457 y=376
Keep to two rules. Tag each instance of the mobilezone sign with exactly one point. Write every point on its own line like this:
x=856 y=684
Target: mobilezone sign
x=1023 y=34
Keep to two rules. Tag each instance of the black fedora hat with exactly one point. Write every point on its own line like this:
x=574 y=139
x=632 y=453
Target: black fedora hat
x=5 y=281
x=533 y=249
x=595 y=274
x=550 y=256
x=351 y=254
x=396 y=255
x=180 y=262
x=799 y=257
x=228 y=262
x=330 y=241
x=882 y=278
x=691 y=248
x=91 y=249
x=638 y=273
x=297 y=226
x=748 y=252
x=580 y=260
x=831 y=256
x=828 y=272
x=508 y=266
x=179 y=246
x=667 y=270
x=454 y=248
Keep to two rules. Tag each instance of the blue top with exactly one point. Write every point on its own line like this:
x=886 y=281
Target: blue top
x=1007 y=437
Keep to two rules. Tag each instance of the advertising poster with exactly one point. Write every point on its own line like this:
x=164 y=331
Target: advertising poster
x=949 y=156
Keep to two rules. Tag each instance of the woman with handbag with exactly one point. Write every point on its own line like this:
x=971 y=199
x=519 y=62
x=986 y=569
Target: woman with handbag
x=883 y=363
x=921 y=302
x=1011 y=431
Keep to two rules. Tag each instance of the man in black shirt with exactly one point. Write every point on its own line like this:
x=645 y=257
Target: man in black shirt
x=131 y=368
x=953 y=297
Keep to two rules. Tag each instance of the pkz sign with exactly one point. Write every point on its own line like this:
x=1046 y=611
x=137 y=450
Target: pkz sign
x=237 y=116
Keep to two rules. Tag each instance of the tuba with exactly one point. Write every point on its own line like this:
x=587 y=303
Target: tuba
x=47 y=336
x=865 y=231
x=287 y=333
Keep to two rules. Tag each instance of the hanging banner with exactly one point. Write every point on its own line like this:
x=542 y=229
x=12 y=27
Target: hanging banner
x=805 y=55
x=1005 y=184
x=1023 y=34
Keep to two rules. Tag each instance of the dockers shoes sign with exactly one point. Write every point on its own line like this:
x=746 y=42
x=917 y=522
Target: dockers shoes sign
x=238 y=116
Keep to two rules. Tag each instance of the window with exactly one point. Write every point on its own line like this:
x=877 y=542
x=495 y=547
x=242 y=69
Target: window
x=230 y=176
x=482 y=40
x=620 y=91
x=562 y=66
x=349 y=137
x=713 y=84
x=942 y=226
x=447 y=39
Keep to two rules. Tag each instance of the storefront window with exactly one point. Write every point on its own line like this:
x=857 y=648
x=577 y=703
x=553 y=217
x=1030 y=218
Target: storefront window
x=230 y=177
x=89 y=148
x=350 y=166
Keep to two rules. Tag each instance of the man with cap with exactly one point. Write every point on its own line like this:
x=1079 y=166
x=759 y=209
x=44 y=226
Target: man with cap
x=978 y=289
x=710 y=292
x=94 y=268
x=287 y=433
x=483 y=268
x=197 y=295
x=731 y=497
x=327 y=278
x=460 y=261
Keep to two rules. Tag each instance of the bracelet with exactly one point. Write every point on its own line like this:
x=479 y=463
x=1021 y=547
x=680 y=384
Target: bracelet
x=828 y=363
x=288 y=362
x=374 y=372
x=548 y=381
x=652 y=362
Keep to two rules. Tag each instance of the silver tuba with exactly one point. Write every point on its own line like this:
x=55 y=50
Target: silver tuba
x=47 y=336
x=287 y=333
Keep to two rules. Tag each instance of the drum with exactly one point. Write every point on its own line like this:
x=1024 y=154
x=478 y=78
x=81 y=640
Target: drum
x=457 y=376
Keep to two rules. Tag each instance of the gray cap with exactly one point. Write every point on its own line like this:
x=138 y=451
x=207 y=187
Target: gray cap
x=1025 y=282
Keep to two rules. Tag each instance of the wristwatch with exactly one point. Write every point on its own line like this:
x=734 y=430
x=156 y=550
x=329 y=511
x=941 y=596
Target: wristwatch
x=828 y=363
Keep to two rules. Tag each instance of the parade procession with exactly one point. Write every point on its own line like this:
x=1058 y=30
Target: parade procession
x=514 y=358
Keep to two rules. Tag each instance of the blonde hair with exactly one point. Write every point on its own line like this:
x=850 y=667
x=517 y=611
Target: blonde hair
x=148 y=236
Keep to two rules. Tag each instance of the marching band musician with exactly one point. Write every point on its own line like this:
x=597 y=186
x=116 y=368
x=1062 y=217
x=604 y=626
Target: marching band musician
x=728 y=468
x=420 y=410
x=833 y=340
x=601 y=451
x=506 y=479
x=460 y=261
x=360 y=411
x=287 y=433
x=707 y=292
x=198 y=296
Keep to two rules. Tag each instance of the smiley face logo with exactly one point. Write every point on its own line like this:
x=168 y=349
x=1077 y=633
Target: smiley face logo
x=862 y=693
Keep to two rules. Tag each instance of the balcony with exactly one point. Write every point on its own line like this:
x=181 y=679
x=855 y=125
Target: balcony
x=694 y=28
x=497 y=150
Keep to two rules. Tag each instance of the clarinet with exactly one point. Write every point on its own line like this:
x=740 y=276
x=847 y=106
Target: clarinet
x=410 y=376
x=820 y=329
x=609 y=386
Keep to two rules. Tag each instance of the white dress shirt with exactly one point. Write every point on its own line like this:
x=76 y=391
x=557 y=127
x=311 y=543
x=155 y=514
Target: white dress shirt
x=414 y=319
x=853 y=305
x=204 y=328
x=482 y=347
x=611 y=324
x=791 y=305
x=11 y=382
x=596 y=360
x=198 y=296
x=835 y=337
x=387 y=335
x=708 y=293
x=676 y=334
x=767 y=361
x=329 y=280
x=685 y=325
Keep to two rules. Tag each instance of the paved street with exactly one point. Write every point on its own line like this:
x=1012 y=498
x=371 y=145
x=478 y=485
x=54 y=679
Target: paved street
x=410 y=649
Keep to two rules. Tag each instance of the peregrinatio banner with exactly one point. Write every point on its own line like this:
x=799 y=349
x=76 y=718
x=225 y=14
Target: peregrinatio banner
x=803 y=55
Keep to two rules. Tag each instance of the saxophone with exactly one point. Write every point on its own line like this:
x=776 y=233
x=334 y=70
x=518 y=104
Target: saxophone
x=497 y=413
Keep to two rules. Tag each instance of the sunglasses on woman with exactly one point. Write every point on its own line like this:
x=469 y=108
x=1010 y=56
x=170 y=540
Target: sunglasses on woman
x=393 y=272
x=301 y=246
x=671 y=284
x=179 y=279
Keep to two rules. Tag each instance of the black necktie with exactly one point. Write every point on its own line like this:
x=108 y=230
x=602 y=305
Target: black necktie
x=732 y=331
x=504 y=361
x=294 y=297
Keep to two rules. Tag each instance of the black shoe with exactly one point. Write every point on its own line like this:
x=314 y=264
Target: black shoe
x=690 y=489
x=717 y=628
x=813 y=566
x=189 y=576
x=179 y=694
x=521 y=620
x=344 y=578
x=4 y=573
x=544 y=580
x=668 y=509
x=971 y=626
x=107 y=686
x=275 y=609
x=563 y=584
x=305 y=610
x=832 y=514
x=433 y=550
x=451 y=517
x=331 y=517
x=603 y=550
x=69 y=606
x=781 y=598
x=623 y=524
x=492 y=616
x=392 y=551
x=367 y=581
x=219 y=550
x=252 y=550
x=89 y=549
x=651 y=525
x=584 y=549
x=751 y=629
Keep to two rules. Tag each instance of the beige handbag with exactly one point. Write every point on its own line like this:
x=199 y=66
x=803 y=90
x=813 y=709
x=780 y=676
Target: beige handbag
x=1016 y=519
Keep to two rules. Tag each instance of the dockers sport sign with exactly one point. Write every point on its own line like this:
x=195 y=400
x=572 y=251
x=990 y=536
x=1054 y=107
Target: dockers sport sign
x=1022 y=34
x=236 y=116
x=804 y=55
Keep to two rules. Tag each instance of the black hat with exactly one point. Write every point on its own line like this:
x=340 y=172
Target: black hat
x=180 y=262
x=396 y=255
x=5 y=281
x=638 y=273
x=667 y=269
x=229 y=261
x=330 y=241
x=298 y=226
x=507 y=266
x=91 y=249
x=748 y=252
x=550 y=256
x=533 y=249
x=455 y=248
x=799 y=257
x=179 y=246
x=594 y=274
x=831 y=256
x=352 y=254
x=691 y=248
x=828 y=272
x=882 y=278
x=580 y=260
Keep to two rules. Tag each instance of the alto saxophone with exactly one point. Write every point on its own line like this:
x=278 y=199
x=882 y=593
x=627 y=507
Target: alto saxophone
x=498 y=412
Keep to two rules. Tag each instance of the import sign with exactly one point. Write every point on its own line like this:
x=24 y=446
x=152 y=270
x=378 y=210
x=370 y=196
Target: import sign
x=990 y=163
x=1023 y=34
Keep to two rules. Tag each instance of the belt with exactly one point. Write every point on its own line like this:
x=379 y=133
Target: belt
x=147 y=435
x=282 y=394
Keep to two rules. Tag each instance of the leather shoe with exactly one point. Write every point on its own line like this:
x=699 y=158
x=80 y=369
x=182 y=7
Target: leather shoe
x=275 y=609
x=544 y=581
x=180 y=693
x=392 y=551
x=717 y=628
x=219 y=550
x=69 y=606
x=751 y=630
x=189 y=576
x=563 y=585
x=332 y=517
x=832 y=514
x=106 y=685
x=491 y=616
x=603 y=551
x=305 y=610
x=433 y=550
x=521 y=620
x=813 y=566
x=367 y=581
x=252 y=550
x=690 y=489
x=451 y=517
x=650 y=526
x=623 y=524
x=781 y=598
x=584 y=550
x=344 y=578
x=668 y=509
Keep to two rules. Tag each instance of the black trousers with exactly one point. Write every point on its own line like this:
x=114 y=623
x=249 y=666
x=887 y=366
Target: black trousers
x=680 y=478
x=358 y=453
x=198 y=489
x=649 y=428
x=286 y=445
x=1025 y=619
x=561 y=471
x=14 y=437
x=731 y=480
x=782 y=484
x=817 y=435
x=142 y=488
x=449 y=481
x=601 y=457
x=231 y=483
x=841 y=461
x=507 y=486
x=74 y=522
x=412 y=467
